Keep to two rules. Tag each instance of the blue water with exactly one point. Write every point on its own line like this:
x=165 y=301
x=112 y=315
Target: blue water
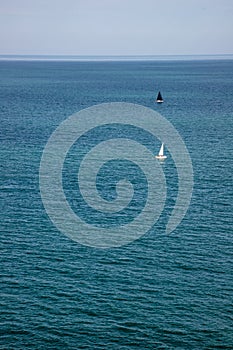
x=159 y=292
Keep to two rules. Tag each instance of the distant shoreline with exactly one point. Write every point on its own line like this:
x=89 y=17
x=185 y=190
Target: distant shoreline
x=102 y=58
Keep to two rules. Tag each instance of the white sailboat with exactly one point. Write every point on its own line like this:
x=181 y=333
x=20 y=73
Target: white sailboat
x=161 y=155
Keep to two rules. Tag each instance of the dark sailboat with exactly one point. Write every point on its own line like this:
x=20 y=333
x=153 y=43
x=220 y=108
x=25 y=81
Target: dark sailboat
x=159 y=98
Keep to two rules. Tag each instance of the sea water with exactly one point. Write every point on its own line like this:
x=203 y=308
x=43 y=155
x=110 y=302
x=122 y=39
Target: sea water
x=158 y=292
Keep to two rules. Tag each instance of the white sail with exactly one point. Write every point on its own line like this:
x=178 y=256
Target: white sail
x=161 y=150
x=161 y=155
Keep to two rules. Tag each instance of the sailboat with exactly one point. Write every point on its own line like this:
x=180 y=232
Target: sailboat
x=159 y=98
x=161 y=155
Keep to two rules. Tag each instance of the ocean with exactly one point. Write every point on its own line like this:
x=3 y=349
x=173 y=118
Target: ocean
x=160 y=291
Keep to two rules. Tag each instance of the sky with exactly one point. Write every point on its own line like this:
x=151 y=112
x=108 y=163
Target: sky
x=116 y=27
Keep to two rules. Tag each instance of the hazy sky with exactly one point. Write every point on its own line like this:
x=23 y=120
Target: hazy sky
x=116 y=27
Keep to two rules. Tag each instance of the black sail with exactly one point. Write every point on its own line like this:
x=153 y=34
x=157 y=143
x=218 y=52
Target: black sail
x=159 y=97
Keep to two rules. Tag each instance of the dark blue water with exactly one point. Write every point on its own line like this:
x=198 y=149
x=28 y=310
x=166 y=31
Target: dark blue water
x=159 y=292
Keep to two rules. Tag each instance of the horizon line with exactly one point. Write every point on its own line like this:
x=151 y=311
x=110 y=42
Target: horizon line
x=70 y=57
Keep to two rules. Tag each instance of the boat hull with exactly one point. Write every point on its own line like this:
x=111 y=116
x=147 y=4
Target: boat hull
x=161 y=157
